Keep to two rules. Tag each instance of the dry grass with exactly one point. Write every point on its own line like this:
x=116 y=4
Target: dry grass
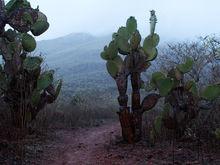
x=72 y=116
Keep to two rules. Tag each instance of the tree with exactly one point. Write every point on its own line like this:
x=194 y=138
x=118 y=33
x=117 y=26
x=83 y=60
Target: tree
x=126 y=57
x=24 y=85
x=203 y=51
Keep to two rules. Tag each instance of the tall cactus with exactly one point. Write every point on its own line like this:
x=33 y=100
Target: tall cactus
x=24 y=86
x=126 y=57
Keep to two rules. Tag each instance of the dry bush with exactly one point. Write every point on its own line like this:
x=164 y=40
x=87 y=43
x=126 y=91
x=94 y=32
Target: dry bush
x=81 y=111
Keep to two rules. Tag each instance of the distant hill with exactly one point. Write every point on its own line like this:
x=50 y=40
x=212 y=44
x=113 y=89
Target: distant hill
x=77 y=60
x=73 y=49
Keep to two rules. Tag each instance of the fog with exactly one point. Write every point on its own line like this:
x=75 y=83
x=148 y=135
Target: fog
x=177 y=19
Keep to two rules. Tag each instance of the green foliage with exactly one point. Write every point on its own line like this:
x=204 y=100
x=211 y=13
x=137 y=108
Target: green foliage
x=211 y=92
x=32 y=63
x=14 y=4
x=123 y=33
x=113 y=68
x=26 y=17
x=151 y=41
x=155 y=77
x=164 y=85
x=187 y=66
x=39 y=28
x=10 y=35
x=110 y=52
x=28 y=42
x=126 y=41
x=182 y=96
x=45 y=79
x=131 y=25
x=35 y=98
x=42 y=17
x=149 y=46
x=123 y=45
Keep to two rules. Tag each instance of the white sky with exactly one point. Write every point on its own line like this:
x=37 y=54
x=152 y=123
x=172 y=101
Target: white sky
x=177 y=19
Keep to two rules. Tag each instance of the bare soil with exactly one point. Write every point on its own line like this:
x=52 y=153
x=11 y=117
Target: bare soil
x=103 y=145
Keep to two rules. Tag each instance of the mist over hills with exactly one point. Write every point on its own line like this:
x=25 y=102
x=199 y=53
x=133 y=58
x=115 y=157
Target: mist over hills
x=76 y=58
x=73 y=49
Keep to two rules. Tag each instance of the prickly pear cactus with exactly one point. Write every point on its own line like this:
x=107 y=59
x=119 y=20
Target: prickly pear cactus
x=25 y=87
x=126 y=56
x=181 y=97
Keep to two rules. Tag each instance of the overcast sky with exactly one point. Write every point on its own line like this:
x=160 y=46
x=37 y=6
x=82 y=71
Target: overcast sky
x=177 y=19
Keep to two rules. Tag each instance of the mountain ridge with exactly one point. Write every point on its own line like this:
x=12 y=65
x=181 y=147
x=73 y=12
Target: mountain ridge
x=76 y=58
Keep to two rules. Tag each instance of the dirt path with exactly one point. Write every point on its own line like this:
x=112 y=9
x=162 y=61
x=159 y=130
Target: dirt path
x=81 y=147
x=102 y=146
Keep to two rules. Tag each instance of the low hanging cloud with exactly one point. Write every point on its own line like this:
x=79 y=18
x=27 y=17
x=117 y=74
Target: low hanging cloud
x=177 y=19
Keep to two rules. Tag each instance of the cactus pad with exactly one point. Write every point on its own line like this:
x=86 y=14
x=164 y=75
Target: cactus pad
x=28 y=42
x=32 y=63
x=39 y=28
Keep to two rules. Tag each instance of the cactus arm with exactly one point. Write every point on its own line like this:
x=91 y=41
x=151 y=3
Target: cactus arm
x=153 y=21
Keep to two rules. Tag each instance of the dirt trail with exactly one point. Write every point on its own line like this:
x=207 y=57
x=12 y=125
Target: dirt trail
x=102 y=146
x=81 y=147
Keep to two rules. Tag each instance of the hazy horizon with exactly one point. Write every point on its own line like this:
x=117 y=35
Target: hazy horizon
x=176 y=19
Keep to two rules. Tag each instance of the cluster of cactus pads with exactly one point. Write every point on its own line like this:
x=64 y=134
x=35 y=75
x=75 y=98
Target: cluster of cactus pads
x=24 y=85
x=126 y=56
x=182 y=98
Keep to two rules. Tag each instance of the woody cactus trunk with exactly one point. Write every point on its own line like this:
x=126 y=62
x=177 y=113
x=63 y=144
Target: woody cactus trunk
x=23 y=84
x=132 y=61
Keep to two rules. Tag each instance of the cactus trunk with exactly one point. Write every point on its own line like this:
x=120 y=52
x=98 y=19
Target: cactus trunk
x=127 y=127
x=125 y=116
x=131 y=120
x=136 y=107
